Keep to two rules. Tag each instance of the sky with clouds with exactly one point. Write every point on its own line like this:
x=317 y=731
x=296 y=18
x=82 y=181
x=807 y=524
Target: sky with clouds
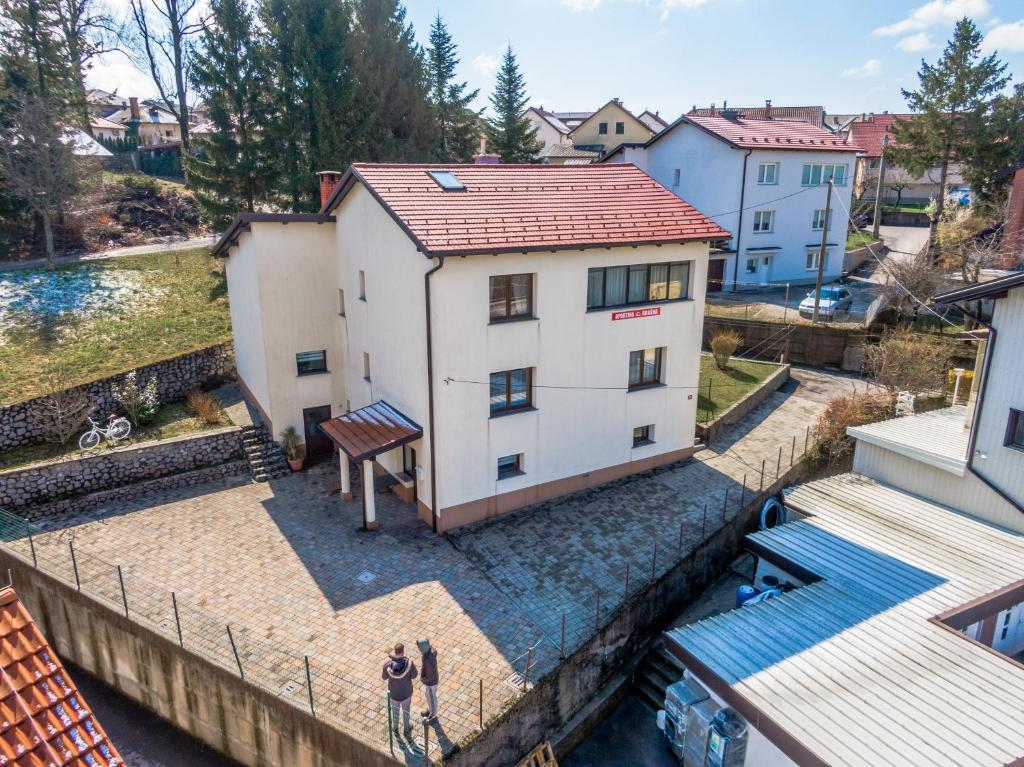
x=668 y=55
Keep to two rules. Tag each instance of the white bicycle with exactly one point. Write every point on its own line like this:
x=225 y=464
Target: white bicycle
x=116 y=430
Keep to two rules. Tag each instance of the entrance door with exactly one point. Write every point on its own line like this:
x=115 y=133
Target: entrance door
x=716 y=274
x=318 y=445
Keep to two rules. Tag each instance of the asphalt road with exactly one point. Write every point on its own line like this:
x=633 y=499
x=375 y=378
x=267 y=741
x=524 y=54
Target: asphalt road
x=629 y=736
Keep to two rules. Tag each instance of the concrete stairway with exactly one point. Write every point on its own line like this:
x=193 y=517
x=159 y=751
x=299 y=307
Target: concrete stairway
x=656 y=671
x=266 y=461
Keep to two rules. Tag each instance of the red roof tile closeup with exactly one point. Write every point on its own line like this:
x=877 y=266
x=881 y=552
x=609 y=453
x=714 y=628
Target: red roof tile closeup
x=516 y=208
x=44 y=722
x=748 y=133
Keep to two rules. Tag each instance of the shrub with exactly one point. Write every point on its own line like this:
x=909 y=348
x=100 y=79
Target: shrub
x=62 y=412
x=205 y=406
x=908 y=361
x=139 y=403
x=831 y=443
x=291 y=444
x=724 y=344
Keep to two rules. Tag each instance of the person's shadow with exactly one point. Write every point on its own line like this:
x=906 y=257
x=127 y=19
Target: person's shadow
x=442 y=737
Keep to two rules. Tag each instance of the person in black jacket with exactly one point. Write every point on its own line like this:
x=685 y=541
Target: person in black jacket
x=429 y=679
x=399 y=672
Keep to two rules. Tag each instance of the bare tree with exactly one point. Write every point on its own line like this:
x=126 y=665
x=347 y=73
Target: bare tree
x=908 y=361
x=38 y=163
x=61 y=413
x=159 y=40
x=88 y=31
x=969 y=241
x=911 y=279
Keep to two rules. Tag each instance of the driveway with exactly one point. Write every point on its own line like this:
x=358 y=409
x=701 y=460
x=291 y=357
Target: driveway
x=903 y=243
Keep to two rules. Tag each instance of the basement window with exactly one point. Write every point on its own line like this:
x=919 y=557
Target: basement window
x=447 y=180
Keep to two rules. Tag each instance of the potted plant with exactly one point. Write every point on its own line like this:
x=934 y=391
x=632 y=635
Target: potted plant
x=291 y=444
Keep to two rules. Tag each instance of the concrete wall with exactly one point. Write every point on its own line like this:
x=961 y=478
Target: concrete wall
x=248 y=724
x=175 y=376
x=819 y=346
x=708 y=432
x=573 y=431
x=42 y=483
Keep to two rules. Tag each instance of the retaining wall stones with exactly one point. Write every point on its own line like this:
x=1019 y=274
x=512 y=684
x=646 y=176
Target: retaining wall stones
x=120 y=468
x=175 y=376
x=709 y=432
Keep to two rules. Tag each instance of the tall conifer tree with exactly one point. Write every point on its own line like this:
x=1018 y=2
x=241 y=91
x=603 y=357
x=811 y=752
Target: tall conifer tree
x=458 y=125
x=509 y=132
x=233 y=168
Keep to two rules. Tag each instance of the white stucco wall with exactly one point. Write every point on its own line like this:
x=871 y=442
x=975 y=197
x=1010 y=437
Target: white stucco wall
x=572 y=430
x=281 y=288
x=710 y=171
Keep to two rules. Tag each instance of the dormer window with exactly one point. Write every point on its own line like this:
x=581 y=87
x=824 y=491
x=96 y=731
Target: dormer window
x=447 y=180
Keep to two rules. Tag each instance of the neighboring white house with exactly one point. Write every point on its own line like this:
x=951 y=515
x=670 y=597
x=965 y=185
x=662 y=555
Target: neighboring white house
x=551 y=132
x=490 y=335
x=899 y=635
x=764 y=181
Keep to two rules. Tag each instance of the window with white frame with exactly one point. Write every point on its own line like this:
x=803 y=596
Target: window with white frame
x=818 y=221
x=764 y=220
x=812 y=259
x=751 y=265
x=768 y=173
x=816 y=174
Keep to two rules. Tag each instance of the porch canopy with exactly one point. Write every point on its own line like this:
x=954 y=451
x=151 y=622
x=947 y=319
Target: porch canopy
x=369 y=431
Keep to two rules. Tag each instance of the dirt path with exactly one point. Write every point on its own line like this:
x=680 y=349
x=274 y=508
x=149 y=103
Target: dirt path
x=153 y=247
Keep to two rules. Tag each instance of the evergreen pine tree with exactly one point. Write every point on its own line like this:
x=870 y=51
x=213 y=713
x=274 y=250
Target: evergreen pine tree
x=509 y=132
x=233 y=169
x=953 y=103
x=396 y=119
x=458 y=124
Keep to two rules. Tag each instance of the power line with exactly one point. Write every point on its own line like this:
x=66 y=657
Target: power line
x=763 y=202
x=698 y=388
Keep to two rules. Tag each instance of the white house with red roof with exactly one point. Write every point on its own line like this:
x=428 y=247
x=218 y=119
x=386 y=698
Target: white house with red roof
x=765 y=182
x=490 y=336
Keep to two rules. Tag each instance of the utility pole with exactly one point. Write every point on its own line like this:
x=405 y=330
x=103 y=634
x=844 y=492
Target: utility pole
x=821 y=252
x=878 y=189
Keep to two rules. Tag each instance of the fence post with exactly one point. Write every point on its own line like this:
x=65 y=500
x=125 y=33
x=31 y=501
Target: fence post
x=482 y=690
x=654 y=562
x=561 y=655
x=760 y=485
x=309 y=686
x=74 y=565
x=725 y=504
x=743 y=492
x=32 y=545
x=807 y=434
x=234 y=649
x=124 y=594
x=391 y=726
x=529 y=655
x=792 y=452
x=778 y=466
x=426 y=742
x=177 y=620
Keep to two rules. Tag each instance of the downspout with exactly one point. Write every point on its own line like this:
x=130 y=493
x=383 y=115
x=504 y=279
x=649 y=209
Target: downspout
x=430 y=394
x=739 y=226
x=979 y=405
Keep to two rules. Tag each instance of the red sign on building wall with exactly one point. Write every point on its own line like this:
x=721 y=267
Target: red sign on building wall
x=632 y=314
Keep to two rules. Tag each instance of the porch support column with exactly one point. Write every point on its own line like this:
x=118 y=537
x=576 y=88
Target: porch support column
x=369 y=511
x=346 y=477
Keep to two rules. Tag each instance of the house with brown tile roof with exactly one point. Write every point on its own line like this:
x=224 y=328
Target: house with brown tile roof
x=44 y=721
x=489 y=336
x=762 y=180
x=813 y=115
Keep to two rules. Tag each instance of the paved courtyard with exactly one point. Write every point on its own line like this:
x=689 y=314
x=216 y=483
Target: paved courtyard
x=287 y=567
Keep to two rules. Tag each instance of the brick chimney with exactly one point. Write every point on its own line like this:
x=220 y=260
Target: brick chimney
x=134 y=107
x=328 y=180
x=486 y=158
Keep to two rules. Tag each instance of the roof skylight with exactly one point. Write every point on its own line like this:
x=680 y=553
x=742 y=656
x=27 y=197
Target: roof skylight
x=447 y=180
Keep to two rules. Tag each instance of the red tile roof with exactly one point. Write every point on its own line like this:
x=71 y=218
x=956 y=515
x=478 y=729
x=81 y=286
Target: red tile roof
x=44 y=722
x=868 y=134
x=815 y=115
x=516 y=208
x=748 y=133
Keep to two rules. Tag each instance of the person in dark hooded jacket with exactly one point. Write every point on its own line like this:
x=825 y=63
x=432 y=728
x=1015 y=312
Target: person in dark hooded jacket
x=399 y=672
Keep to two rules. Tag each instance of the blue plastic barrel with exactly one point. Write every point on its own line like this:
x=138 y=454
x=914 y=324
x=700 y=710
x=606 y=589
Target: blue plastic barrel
x=743 y=593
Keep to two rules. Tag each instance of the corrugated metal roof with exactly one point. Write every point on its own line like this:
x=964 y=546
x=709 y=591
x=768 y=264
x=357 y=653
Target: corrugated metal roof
x=371 y=430
x=851 y=666
x=937 y=438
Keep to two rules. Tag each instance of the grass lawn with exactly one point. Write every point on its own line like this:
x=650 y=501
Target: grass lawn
x=90 y=320
x=172 y=420
x=728 y=386
x=859 y=240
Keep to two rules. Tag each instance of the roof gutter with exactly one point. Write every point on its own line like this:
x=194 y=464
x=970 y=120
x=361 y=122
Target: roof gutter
x=430 y=393
x=978 y=407
x=739 y=225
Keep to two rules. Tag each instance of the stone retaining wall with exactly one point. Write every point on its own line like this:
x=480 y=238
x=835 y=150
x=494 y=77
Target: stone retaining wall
x=708 y=432
x=75 y=476
x=175 y=376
